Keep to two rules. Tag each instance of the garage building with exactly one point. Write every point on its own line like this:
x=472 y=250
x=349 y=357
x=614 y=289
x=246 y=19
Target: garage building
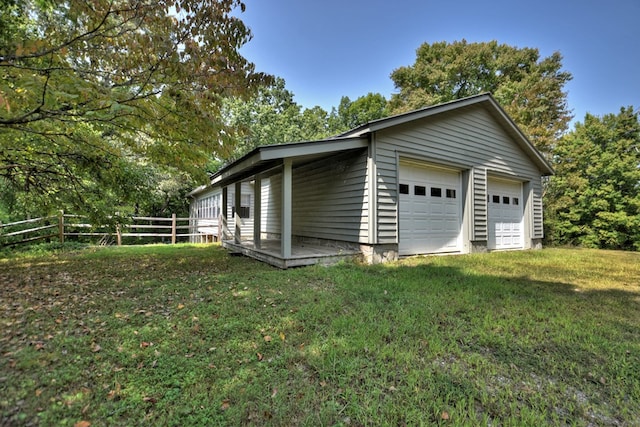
x=458 y=177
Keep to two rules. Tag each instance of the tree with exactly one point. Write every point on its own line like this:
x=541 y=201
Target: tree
x=272 y=117
x=352 y=114
x=593 y=200
x=528 y=87
x=89 y=90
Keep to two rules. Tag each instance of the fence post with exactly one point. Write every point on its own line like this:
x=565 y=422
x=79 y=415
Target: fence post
x=173 y=229
x=61 y=226
x=118 y=235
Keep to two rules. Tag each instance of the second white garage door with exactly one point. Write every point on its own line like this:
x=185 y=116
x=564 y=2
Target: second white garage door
x=506 y=225
x=430 y=210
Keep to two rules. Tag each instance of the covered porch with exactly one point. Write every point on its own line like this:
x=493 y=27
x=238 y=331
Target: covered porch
x=251 y=237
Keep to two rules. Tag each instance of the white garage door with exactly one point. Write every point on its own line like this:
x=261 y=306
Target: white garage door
x=506 y=225
x=430 y=210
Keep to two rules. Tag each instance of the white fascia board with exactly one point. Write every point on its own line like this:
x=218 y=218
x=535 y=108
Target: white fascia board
x=274 y=152
x=197 y=190
x=411 y=116
x=243 y=164
x=270 y=153
x=524 y=142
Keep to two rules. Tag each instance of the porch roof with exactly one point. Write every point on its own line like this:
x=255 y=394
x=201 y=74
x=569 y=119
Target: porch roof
x=266 y=157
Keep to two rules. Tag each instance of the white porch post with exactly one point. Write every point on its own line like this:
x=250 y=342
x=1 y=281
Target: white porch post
x=224 y=212
x=285 y=241
x=257 y=212
x=236 y=217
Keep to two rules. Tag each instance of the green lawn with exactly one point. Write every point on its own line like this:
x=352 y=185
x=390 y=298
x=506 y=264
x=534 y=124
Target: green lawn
x=187 y=335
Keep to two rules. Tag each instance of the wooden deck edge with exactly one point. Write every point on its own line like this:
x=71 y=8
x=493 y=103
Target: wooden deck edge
x=294 y=261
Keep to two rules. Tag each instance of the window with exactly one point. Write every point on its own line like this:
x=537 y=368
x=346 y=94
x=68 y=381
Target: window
x=245 y=207
x=209 y=207
x=436 y=192
x=451 y=193
x=244 y=212
x=515 y=201
x=420 y=190
x=496 y=199
x=505 y=200
x=404 y=189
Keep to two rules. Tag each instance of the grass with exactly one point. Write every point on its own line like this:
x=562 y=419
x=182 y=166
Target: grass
x=187 y=335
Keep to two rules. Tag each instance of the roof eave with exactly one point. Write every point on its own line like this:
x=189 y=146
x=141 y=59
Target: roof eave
x=524 y=142
x=268 y=155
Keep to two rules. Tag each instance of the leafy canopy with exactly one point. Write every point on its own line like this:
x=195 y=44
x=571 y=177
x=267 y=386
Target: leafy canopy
x=273 y=117
x=351 y=114
x=91 y=90
x=594 y=198
x=529 y=88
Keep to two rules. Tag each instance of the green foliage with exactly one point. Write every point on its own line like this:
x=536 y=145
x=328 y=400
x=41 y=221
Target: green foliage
x=352 y=114
x=529 y=88
x=89 y=90
x=271 y=117
x=594 y=198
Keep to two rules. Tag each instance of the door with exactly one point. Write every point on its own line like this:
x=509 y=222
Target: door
x=506 y=215
x=430 y=209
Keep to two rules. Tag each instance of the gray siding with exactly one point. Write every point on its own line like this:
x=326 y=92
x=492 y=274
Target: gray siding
x=246 y=227
x=271 y=204
x=538 y=229
x=480 y=213
x=466 y=138
x=330 y=198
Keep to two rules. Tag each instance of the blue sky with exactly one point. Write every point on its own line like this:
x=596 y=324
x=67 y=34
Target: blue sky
x=330 y=48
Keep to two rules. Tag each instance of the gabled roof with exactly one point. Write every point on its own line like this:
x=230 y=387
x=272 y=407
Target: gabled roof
x=485 y=99
x=267 y=157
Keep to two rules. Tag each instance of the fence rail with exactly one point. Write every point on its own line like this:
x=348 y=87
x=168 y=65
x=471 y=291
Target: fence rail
x=68 y=225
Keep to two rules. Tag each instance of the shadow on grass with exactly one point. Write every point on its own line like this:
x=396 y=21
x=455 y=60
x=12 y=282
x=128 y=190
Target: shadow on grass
x=431 y=343
x=197 y=337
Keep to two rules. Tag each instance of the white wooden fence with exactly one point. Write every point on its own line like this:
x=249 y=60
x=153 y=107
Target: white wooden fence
x=64 y=225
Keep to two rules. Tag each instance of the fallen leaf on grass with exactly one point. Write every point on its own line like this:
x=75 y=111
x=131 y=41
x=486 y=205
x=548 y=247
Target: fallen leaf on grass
x=282 y=336
x=260 y=357
x=267 y=338
x=180 y=306
x=113 y=393
x=96 y=348
x=82 y=424
x=445 y=415
x=225 y=404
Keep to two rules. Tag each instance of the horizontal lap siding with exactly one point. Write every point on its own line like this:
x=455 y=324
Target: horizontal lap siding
x=469 y=138
x=271 y=205
x=246 y=227
x=330 y=199
x=538 y=231
x=480 y=211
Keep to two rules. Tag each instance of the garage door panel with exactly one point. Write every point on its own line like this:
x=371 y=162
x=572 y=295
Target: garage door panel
x=430 y=222
x=506 y=217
